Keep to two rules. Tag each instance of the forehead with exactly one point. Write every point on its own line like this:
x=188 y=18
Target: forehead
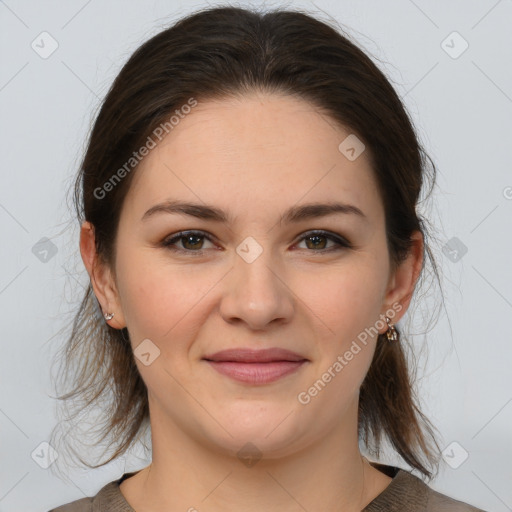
x=251 y=152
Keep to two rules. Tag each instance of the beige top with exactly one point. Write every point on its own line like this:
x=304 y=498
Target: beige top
x=405 y=493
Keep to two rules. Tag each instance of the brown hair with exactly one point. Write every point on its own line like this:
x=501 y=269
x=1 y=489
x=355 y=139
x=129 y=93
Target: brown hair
x=227 y=51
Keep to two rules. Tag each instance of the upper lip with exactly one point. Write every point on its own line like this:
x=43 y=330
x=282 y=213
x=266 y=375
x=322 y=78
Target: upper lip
x=247 y=355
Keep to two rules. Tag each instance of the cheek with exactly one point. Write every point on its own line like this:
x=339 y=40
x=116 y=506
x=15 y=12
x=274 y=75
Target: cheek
x=348 y=306
x=160 y=301
x=348 y=301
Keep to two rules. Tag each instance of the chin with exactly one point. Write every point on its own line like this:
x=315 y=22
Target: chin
x=250 y=446
x=270 y=431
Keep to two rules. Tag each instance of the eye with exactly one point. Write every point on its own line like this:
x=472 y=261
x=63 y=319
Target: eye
x=316 y=237
x=190 y=240
x=193 y=242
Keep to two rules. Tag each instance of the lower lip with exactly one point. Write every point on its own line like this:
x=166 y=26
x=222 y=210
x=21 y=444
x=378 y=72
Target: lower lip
x=256 y=373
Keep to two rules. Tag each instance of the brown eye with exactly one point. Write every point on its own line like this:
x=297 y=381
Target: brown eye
x=316 y=241
x=191 y=241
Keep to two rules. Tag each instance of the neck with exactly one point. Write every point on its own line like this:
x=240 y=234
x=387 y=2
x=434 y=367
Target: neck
x=187 y=474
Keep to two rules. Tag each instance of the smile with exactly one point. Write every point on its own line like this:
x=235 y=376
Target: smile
x=256 y=373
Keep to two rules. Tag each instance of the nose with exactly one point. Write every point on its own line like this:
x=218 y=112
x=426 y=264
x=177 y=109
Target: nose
x=257 y=293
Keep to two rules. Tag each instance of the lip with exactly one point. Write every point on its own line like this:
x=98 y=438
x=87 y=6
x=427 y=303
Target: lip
x=256 y=366
x=248 y=355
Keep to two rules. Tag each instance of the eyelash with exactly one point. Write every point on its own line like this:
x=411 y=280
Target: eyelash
x=342 y=243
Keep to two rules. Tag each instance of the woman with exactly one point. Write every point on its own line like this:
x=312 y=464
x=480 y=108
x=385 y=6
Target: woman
x=248 y=222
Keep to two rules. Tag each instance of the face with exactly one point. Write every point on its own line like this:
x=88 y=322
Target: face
x=263 y=277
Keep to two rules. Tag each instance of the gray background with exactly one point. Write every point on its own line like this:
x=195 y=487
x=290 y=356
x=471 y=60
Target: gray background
x=462 y=106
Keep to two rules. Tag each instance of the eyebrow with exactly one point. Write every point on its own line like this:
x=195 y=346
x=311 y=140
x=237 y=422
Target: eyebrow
x=292 y=215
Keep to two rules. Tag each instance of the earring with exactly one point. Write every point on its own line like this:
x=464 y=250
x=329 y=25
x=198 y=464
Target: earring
x=108 y=316
x=391 y=333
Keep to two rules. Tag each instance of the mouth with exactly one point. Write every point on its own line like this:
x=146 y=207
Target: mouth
x=256 y=367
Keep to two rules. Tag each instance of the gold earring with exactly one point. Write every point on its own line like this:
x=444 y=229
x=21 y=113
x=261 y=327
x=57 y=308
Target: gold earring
x=391 y=333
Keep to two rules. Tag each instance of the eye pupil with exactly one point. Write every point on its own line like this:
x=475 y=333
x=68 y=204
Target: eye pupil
x=316 y=237
x=187 y=239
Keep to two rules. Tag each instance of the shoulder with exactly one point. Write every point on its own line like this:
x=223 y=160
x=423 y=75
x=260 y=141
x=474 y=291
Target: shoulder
x=108 y=499
x=82 y=505
x=428 y=499
x=408 y=492
x=441 y=502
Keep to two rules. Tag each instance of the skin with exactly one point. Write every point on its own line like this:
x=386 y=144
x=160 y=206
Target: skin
x=254 y=157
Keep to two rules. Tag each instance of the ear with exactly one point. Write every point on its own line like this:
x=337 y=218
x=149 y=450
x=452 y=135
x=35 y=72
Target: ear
x=101 y=277
x=403 y=280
